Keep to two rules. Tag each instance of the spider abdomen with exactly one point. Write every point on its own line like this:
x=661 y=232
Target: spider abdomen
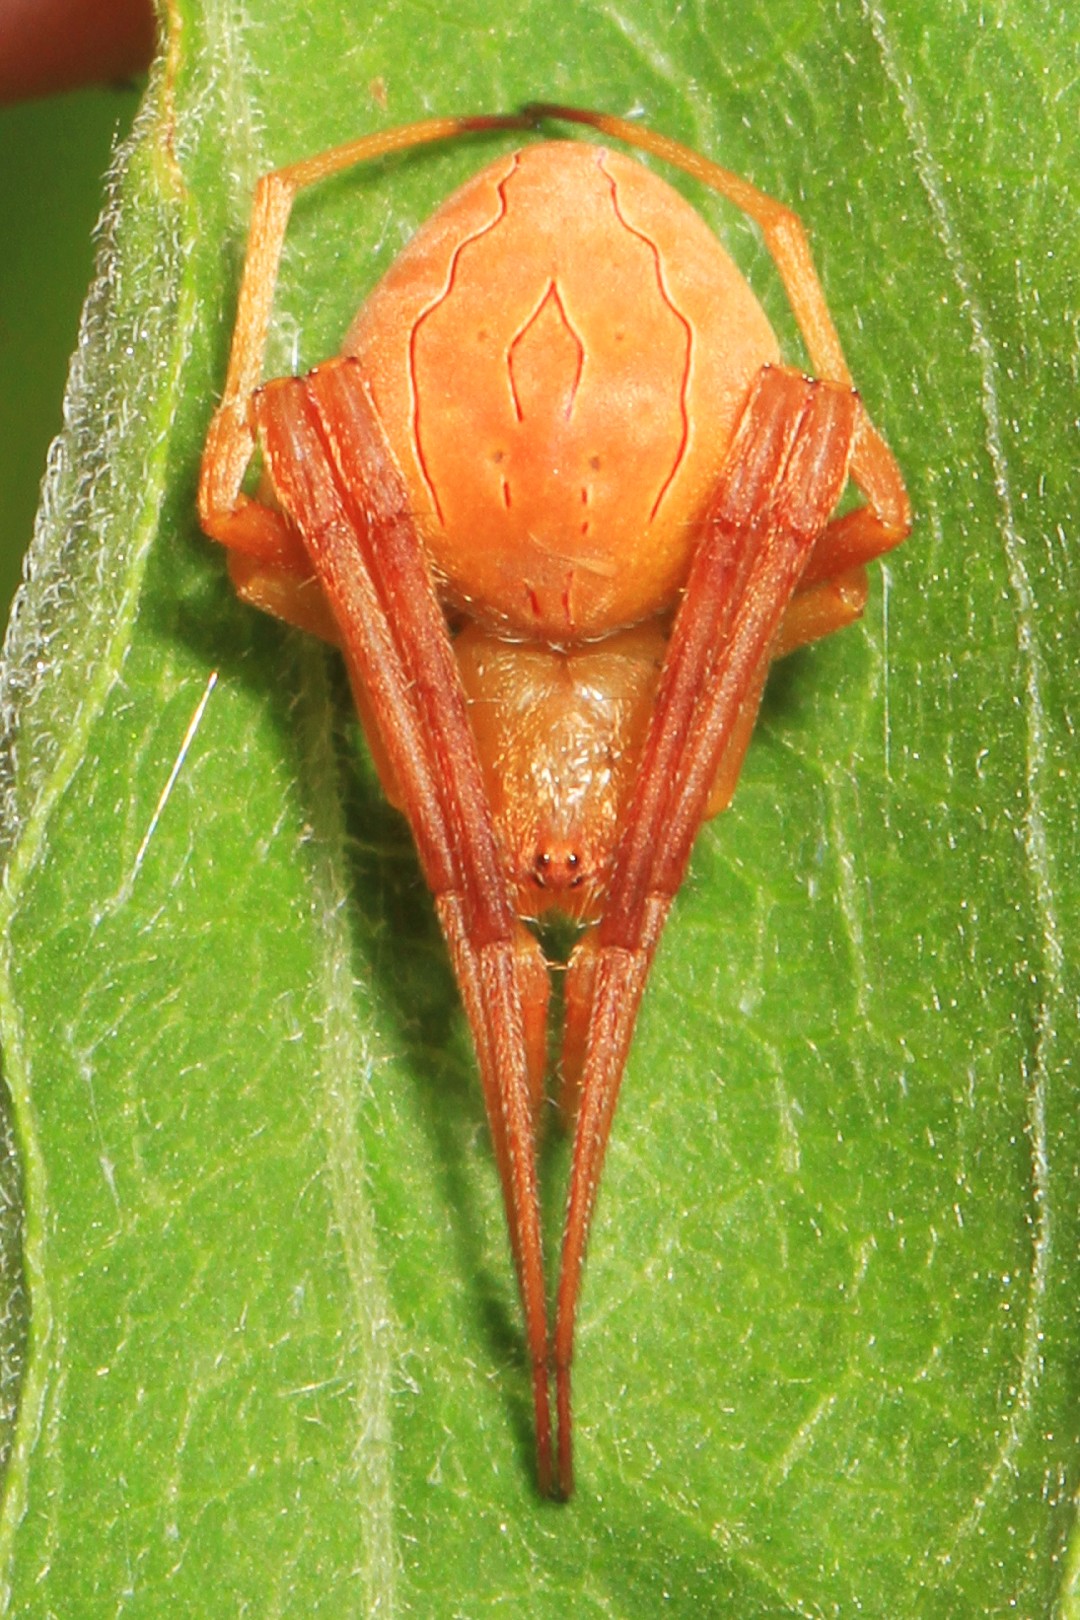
x=558 y=359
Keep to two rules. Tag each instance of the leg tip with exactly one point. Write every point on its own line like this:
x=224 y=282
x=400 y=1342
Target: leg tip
x=566 y=1434
x=545 y=1471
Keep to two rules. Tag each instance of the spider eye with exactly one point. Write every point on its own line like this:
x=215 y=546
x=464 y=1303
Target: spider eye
x=560 y=868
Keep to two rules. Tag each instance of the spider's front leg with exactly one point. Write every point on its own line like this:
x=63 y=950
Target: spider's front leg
x=334 y=477
x=267 y=558
x=781 y=480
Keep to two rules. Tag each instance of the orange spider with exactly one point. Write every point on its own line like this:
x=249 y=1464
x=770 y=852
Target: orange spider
x=560 y=504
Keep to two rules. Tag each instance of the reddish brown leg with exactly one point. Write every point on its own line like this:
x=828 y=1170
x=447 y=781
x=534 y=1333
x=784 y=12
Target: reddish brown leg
x=831 y=591
x=379 y=603
x=810 y=615
x=831 y=594
x=294 y=597
x=886 y=519
x=782 y=477
x=856 y=538
x=226 y=513
x=333 y=474
x=821 y=609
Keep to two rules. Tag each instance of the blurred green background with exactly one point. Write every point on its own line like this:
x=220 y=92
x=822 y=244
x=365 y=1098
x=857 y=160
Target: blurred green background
x=53 y=157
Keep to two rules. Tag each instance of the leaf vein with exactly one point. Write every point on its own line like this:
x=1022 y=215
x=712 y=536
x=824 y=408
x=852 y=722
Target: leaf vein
x=1037 y=847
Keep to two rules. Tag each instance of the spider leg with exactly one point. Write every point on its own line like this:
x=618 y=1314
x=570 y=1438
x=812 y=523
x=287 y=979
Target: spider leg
x=781 y=479
x=857 y=536
x=224 y=511
x=811 y=614
x=287 y=593
x=334 y=476
x=860 y=535
x=833 y=587
x=785 y=236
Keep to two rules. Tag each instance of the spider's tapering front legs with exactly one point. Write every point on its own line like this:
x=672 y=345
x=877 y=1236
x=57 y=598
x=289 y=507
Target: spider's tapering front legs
x=781 y=479
x=335 y=478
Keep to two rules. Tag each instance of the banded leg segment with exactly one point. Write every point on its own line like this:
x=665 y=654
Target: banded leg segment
x=781 y=480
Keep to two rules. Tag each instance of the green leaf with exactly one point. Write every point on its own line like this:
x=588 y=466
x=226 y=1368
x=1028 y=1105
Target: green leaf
x=827 y=1349
x=52 y=156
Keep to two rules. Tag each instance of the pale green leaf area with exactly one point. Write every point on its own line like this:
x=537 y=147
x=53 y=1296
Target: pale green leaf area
x=827 y=1361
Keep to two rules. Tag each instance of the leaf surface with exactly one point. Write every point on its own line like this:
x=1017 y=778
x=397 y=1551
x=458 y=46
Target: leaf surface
x=827 y=1349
